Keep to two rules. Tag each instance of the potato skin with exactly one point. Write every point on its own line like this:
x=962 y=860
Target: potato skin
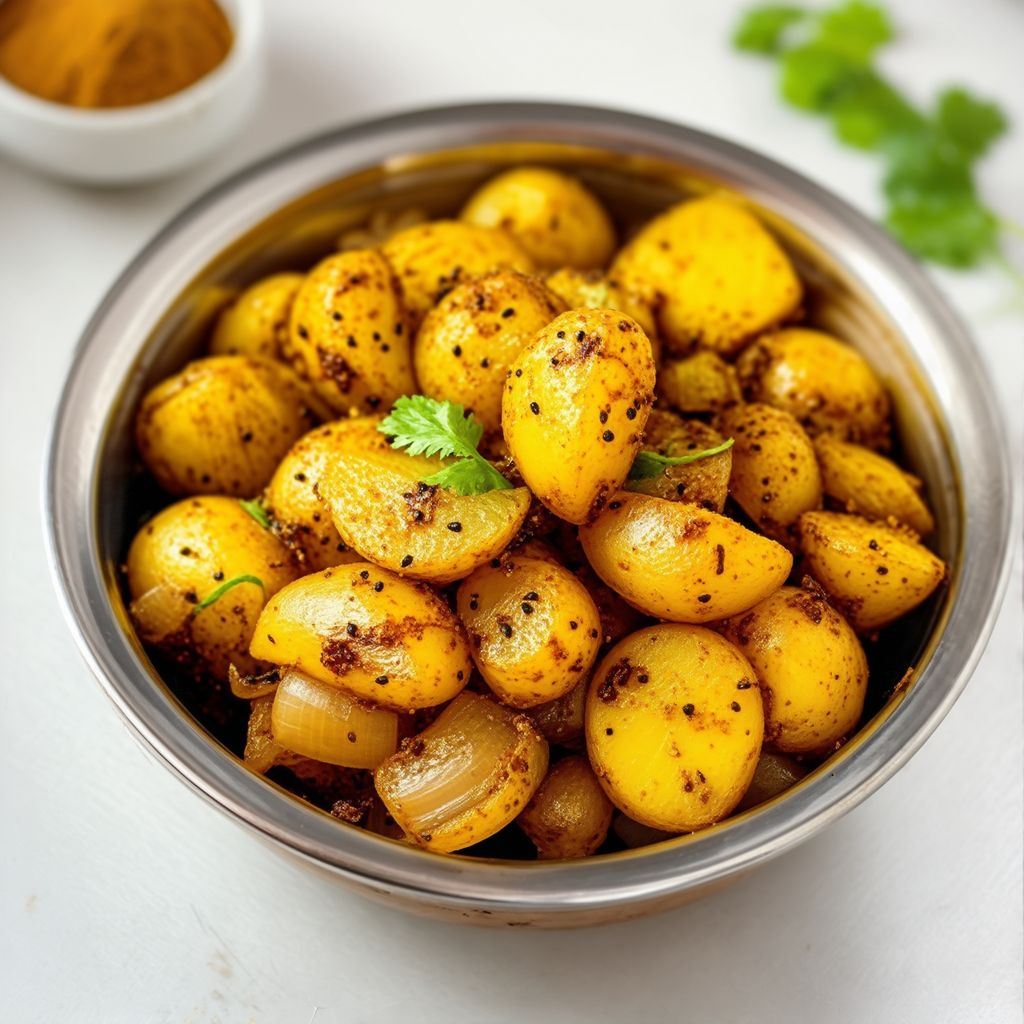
x=190 y=549
x=349 y=332
x=703 y=382
x=300 y=517
x=871 y=485
x=680 y=562
x=469 y=339
x=775 y=475
x=389 y=641
x=812 y=669
x=674 y=726
x=256 y=323
x=381 y=509
x=827 y=385
x=875 y=573
x=712 y=272
x=534 y=630
x=221 y=425
x=431 y=259
x=569 y=815
x=705 y=482
x=574 y=409
x=557 y=220
x=561 y=721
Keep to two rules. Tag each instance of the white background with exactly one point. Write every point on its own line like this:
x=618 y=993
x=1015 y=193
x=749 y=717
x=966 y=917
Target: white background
x=123 y=897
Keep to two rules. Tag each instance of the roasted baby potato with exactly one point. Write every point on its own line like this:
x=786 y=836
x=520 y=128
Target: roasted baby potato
x=703 y=382
x=713 y=274
x=221 y=425
x=775 y=474
x=875 y=573
x=680 y=562
x=389 y=641
x=534 y=630
x=553 y=216
x=575 y=406
x=561 y=720
x=445 y=802
x=870 y=484
x=468 y=341
x=350 y=332
x=292 y=500
x=774 y=774
x=592 y=289
x=704 y=482
x=828 y=386
x=431 y=259
x=674 y=726
x=810 y=665
x=179 y=561
x=382 y=509
x=256 y=323
x=569 y=815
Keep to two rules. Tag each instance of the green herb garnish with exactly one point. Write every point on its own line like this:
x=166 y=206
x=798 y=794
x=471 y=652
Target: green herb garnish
x=650 y=464
x=425 y=426
x=217 y=594
x=825 y=63
x=257 y=511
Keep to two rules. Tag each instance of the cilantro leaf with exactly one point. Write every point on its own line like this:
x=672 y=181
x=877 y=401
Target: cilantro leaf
x=230 y=584
x=870 y=111
x=955 y=230
x=761 y=29
x=855 y=29
x=926 y=167
x=970 y=124
x=426 y=426
x=257 y=511
x=651 y=464
x=814 y=76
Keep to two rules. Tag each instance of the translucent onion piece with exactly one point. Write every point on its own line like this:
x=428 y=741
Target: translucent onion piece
x=466 y=776
x=261 y=750
x=327 y=724
x=249 y=687
x=160 y=612
x=774 y=774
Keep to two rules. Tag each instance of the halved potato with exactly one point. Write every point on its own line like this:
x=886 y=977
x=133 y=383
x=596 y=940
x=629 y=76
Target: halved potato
x=387 y=640
x=383 y=510
x=674 y=726
x=680 y=562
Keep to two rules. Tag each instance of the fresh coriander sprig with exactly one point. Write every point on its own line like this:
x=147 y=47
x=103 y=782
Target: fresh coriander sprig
x=650 y=464
x=425 y=426
x=257 y=511
x=230 y=584
x=825 y=63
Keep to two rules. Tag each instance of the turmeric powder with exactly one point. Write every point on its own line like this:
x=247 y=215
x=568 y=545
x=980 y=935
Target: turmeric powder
x=110 y=53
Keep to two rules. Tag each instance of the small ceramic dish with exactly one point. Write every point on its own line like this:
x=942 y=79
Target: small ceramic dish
x=132 y=144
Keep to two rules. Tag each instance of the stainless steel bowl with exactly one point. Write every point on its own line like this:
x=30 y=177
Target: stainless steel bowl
x=290 y=209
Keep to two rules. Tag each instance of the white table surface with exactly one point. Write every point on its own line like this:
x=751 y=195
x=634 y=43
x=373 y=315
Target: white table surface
x=123 y=897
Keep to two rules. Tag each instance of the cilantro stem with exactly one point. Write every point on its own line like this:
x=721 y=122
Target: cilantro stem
x=230 y=584
x=257 y=511
x=651 y=464
x=1012 y=227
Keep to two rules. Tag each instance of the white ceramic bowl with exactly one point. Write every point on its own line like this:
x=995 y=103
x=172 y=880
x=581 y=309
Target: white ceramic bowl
x=152 y=140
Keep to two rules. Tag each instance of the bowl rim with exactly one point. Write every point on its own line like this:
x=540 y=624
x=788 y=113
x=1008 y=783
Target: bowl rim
x=247 y=21
x=542 y=890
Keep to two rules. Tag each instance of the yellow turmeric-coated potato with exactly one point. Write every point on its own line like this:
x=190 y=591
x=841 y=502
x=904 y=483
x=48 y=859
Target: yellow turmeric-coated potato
x=680 y=562
x=569 y=815
x=466 y=776
x=827 y=385
x=534 y=630
x=256 y=323
x=181 y=558
x=703 y=382
x=713 y=273
x=871 y=485
x=221 y=425
x=387 y=640
x=561 y=720
x=874 y=572
x=292 y=500
x=704 y=482
x=775 y=475
x=553 y=216
x=469 y=339
x=382 y=509
x=811 y=667
x=592 y=289
x=674 y=726
x=349 y=332
x=574 y=409
x=431 y=259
